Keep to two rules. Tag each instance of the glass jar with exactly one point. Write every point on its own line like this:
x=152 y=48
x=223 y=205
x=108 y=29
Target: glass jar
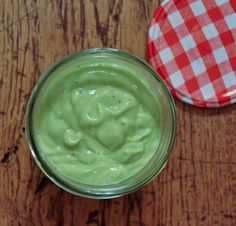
x=167 y=115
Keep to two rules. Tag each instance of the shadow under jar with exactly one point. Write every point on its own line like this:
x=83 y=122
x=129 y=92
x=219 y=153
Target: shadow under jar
x=100 y=123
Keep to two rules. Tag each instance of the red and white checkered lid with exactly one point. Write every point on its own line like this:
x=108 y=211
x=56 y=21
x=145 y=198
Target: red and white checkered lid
x=192 y=45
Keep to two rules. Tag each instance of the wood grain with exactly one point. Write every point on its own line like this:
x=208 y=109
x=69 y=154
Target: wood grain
x=198 y=186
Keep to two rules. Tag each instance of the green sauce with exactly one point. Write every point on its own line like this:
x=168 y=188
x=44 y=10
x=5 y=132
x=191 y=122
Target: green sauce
x=96 y=120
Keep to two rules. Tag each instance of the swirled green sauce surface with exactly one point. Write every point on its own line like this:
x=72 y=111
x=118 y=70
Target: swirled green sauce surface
x=96 y=121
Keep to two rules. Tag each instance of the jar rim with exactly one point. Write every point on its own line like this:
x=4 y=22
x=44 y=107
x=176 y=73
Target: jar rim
x=103 y=191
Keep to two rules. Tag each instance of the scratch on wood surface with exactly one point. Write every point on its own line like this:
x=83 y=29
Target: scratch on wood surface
x=12 y=150
x=42 y=185
x=207 y=162
x=92 y=217
x=30 y=13
x=102 y=28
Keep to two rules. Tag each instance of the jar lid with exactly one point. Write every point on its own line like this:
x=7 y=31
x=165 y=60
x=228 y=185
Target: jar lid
x=192 y=45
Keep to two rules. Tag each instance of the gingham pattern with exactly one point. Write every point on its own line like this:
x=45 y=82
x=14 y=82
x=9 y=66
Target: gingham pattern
x=192 y=45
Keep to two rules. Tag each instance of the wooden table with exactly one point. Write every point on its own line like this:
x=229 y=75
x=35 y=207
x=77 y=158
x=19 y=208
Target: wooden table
x=198 y=187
